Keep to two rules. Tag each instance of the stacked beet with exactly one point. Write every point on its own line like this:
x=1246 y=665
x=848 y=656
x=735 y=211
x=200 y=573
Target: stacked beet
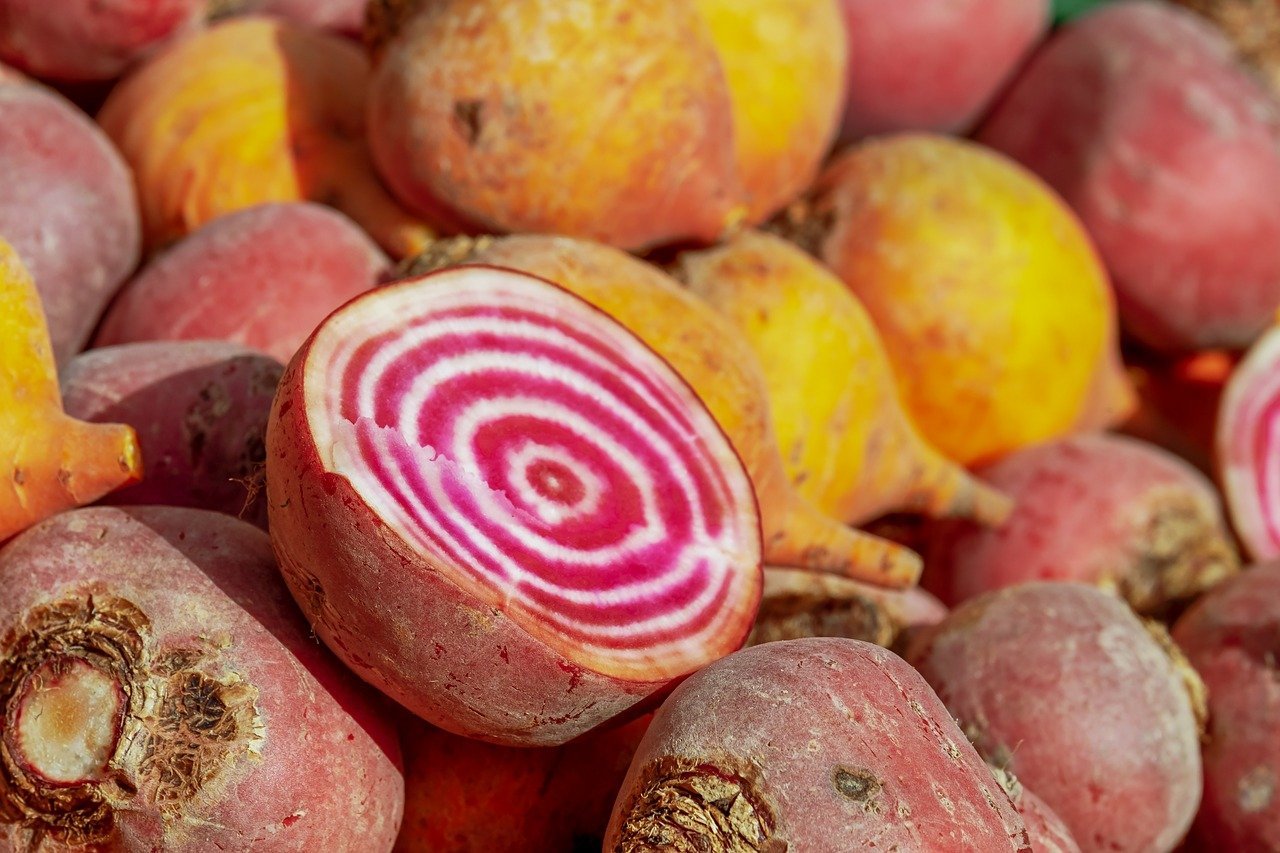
x=639 y=425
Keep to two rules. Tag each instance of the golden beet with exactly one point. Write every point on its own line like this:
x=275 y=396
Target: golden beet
x=847 y=443
x=994 y=308
x=252 y=110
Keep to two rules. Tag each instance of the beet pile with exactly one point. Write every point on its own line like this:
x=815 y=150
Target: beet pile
x=709 y=426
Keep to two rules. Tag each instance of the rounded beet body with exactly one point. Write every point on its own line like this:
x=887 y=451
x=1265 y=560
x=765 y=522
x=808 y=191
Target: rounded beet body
x=500 y=507
x=1142 y=118
x=68 y=208
x=263 y=277
x=159 y=691
x=789 y=745
x=1232 y=638
x=1065 y=687
x=1098 y=509
x=200 y=410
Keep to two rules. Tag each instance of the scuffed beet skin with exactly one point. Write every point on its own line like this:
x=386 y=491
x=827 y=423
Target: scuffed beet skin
x=1047 y=832
x=1232 y=638
x=232 y=729
x=1063 y=686
x=789 y=745
x=200 y=409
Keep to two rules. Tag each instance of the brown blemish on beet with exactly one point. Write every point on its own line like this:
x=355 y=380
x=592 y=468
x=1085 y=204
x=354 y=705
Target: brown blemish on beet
x=689 y=807
x=1182 y=552
x=468 y=119
x=861 y=786
x=185 y=724
x=790 y=617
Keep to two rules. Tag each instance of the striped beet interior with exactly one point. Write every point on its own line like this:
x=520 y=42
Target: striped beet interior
x=1249 y=447
x=524 y=440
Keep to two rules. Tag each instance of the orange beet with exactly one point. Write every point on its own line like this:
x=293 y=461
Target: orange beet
x=249 y=111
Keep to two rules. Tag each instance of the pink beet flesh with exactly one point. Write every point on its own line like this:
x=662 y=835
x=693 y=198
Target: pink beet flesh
x=503 y=509
x=1099 y=509
x=263 y=277
x=68 y=207
x=1232 y=637
x=789 y=745
x=1062 y=684
x=1141 y=116
x=1248 y=458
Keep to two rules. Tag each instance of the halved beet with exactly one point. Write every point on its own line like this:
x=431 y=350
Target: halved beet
x=1248 y=447
x=500 y=507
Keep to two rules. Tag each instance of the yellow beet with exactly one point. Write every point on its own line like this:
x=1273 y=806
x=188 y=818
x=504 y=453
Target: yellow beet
x=52 y=462
x=720 y=367
x=252 y=110
x=993 y=306
x=847 y=443
x=784 y=61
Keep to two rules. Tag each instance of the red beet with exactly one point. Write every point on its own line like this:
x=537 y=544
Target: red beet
x=1142 y=117
x=159 y=691
x=503 y=509
x=929 y=65
x=1065 y=687
x=1232 y=638
x=1099 y=509
x=263 y=277
x=791 y=745
x=200 y=410
x=1246 y=449
x=68 y=207
x=90 y=39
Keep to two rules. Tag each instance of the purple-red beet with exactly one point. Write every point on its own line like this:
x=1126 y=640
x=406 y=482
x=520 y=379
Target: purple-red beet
x=795 y=744
x=500 y=507
x=200 y=411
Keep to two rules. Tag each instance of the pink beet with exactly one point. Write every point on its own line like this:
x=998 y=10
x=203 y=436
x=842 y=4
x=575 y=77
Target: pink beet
x=1099 y=509
x=68 y=207
x=160 y=691
x=200 y=410
x=500 y=507
x=932 y=66
x=1142 y=117
x=795 y=744
x=1061 y=684
x=90 y=39
x=263 y=277
x=1246 y=451
x=1232 y=637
